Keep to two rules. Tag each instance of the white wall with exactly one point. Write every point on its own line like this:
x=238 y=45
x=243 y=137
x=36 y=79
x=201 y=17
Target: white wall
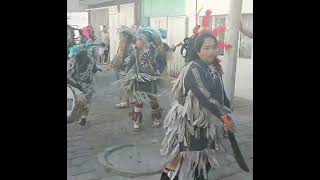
x=78 y=18
x=191 y=14
x=244 y=78
x=220 y=7
x=74 y=6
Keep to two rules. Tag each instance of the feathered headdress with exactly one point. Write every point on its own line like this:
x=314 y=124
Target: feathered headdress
x=215 y=32
x=151 y=34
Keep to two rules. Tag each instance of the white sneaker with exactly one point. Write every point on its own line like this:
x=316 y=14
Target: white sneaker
x=122 y=105
x=156 y=123
x=136 y=126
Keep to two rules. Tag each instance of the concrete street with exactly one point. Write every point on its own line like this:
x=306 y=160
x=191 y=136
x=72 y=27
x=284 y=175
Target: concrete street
x=107 y=148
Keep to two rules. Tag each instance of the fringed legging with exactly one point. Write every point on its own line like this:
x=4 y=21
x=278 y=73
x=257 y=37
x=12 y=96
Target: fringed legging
x=136 y=114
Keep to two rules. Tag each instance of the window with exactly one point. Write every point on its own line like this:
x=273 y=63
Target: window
x=245 y=43
x=245 y=46
x=220 y=21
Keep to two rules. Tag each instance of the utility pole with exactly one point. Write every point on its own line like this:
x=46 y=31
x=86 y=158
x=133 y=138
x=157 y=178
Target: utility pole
x=196 y=12
x=137 y=12
x=231 y=55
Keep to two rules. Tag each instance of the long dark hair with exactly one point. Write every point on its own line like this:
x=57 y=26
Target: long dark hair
x=191 y=46
x=200 y=40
